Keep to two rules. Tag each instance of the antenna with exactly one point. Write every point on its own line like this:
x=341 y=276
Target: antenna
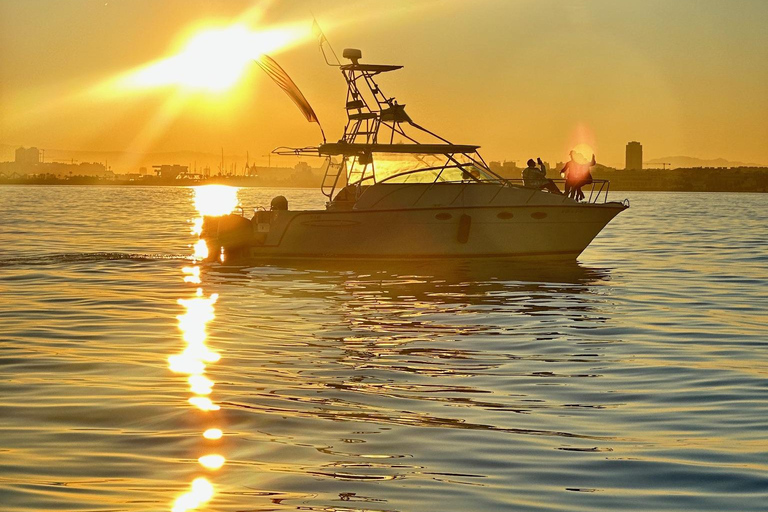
x=322 y=40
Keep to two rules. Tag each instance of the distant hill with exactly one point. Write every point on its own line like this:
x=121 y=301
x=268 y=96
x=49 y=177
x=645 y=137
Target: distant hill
x=689 y=161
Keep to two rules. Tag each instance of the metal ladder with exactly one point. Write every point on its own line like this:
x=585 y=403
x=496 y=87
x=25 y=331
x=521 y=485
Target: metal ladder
x=331 y=178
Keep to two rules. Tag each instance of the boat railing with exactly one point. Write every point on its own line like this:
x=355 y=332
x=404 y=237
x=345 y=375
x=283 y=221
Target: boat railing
x=598 y=189
x=243 y=210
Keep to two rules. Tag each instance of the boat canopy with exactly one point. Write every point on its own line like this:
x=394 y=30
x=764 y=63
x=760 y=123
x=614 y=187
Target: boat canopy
x=370 y=68
x=351 y=149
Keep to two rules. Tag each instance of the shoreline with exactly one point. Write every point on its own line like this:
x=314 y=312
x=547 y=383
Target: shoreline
x=617 y=184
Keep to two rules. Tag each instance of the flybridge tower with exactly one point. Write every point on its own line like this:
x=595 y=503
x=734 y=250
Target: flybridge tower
x=375 y=122
x=374 y=118
x=378 y=125
x=365 y=115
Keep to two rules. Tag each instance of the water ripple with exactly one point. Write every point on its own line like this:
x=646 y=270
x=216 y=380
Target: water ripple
x=635 y=379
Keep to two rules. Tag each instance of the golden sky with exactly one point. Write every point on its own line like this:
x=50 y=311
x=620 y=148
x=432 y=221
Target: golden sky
x=521 y=78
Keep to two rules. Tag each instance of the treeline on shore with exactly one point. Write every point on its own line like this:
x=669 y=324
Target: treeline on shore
x=152 y=181
x=697 y=179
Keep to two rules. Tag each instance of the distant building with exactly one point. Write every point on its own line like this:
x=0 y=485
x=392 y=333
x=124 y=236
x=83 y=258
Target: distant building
x=634 y=156
x=300 y=171
x=27 y=156
x=170 y=171
x=27 y=164
x=507 y=170
x=83 y=169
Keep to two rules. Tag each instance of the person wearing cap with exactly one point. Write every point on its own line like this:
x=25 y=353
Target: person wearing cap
x=536 y=177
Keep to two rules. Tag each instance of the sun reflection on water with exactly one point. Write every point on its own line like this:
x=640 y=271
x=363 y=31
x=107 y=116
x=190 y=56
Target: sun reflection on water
x=203 y=403
x=192 y=275
x=199 y=311
x=197 y=226
x=201 y=249
x=200 y=385
x=215 y=200
x=200 y=492
x=213 y=433
x=212 y=461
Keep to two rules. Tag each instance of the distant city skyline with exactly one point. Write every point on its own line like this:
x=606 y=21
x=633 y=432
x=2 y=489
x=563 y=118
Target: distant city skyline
x=235 y=164
x=518 y=78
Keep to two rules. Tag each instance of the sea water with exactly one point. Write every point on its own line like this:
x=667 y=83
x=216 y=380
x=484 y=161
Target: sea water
x=633 y=379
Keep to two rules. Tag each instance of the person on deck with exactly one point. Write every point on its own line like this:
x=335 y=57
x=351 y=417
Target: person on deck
x=577 y=175
x=536 y=177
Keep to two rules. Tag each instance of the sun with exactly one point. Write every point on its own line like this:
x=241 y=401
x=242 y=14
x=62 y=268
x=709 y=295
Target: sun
x=212 y=59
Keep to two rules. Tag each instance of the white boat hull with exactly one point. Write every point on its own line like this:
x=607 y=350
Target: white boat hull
x=524 y=223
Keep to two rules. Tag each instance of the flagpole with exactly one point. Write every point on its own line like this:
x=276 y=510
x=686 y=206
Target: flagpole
x=281 y=78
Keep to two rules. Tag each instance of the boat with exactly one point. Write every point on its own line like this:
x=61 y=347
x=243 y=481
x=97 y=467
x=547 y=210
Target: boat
x=396 y=190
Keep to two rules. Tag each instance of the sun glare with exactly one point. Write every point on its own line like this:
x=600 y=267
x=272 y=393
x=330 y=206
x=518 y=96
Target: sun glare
x=585 y=150
x=213 y=59
x=215 y=200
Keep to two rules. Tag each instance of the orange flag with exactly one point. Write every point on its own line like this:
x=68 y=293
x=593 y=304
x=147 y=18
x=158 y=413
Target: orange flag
x=282 y=79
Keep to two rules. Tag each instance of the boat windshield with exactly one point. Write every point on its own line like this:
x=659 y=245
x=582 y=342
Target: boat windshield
x=419 y=168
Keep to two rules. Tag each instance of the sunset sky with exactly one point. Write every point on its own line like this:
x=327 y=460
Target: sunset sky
x=521 y=78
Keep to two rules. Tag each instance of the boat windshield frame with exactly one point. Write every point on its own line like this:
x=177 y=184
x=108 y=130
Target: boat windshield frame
x=473 y=169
